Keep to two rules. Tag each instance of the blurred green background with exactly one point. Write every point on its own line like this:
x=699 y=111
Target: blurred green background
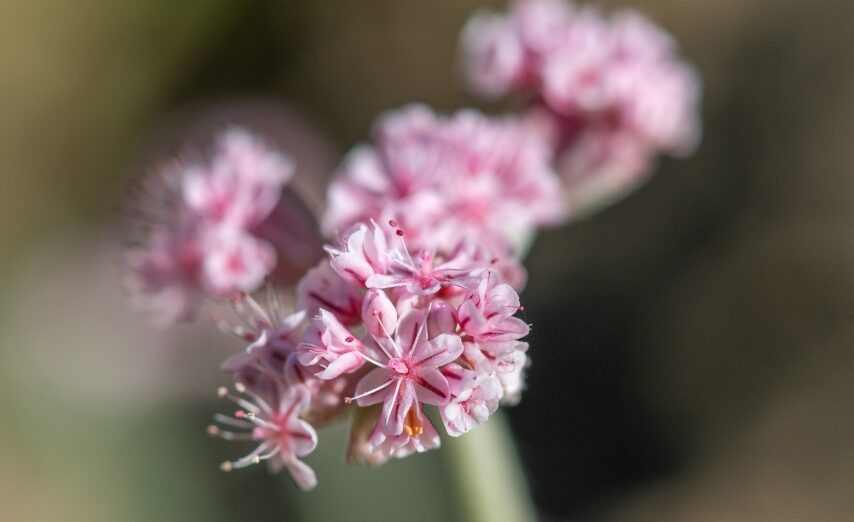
x=692 y=345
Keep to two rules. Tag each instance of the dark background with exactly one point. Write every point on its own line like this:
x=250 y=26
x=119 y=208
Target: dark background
x=692 y=344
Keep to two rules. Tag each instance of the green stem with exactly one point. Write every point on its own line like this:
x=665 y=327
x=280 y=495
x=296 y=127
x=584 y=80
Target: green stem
x=489 y=480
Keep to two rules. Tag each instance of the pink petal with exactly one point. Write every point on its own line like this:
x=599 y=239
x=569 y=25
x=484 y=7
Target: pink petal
x=373 y=381
x=302 y=437
x=441 y=319
x=411 y=331
x=352 y=267
x=471 y=319
x=437 y=352
x=431 y=387
x=395 y=408
x=344 y=363
x=338 y=331
x=379 y=313
x=386 y=280
x=302 y=474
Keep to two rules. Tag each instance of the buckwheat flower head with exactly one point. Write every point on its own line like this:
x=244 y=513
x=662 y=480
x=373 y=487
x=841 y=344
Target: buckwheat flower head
x=426 y=337
x=274 y=423
x=202 y=229
x=446 y=179
x=611 y=92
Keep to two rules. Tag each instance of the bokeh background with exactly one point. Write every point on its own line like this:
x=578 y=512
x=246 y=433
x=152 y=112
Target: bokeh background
x=692 y=345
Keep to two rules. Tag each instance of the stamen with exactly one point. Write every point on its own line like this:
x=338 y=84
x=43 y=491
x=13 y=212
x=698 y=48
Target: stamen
x=230 y=421
x=348 y=400
x=413 y=425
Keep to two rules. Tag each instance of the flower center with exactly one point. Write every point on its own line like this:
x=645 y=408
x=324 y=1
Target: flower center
x=398 y=366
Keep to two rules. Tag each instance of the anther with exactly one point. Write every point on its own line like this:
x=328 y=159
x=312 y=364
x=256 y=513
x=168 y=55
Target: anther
x=226 y=466
x=213 y=431
x=239 y=387
x=221 y=392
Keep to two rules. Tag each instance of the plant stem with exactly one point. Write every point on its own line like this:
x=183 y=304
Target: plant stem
x=488 y=476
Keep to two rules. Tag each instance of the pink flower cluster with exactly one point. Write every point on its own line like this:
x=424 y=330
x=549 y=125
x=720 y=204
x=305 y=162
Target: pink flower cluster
x=382 y=329
x=450 y=179
x=201 y=227
x=416 y=305
x=612 y=93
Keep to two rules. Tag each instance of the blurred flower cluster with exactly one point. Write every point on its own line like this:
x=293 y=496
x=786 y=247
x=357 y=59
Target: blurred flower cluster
x=414 y=305
x=610 y=93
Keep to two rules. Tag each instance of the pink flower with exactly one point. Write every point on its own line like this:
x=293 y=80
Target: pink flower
x=275 y=424
x=407 y=372
x=365 y=254
x=371 y=259
x=486 y=315
x=475 y=398
x=615 y=89
x=510 y=371
x=446 y=180
x=273 y=336
x=331 y=347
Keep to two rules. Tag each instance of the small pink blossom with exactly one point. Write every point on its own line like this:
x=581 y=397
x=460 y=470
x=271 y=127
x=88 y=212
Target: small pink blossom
x=511 y=374
x=474 y=398
x=365 y=254
x=487 y=316
x=273 y=336
x=408 y=371
x=331 y=347
x=275 y=424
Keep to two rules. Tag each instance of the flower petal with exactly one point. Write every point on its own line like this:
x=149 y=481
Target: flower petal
x=374 y=381
x=344 y=363
x=396 y=407
x=411 y=331
x=437 y=352
x=431 y=387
